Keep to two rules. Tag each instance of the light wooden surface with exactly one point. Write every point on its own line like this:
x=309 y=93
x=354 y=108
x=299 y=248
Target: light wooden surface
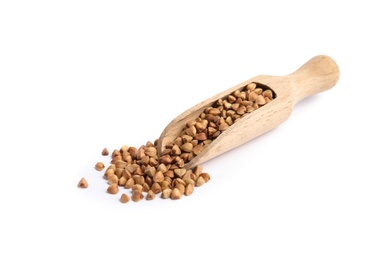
x=317 y=75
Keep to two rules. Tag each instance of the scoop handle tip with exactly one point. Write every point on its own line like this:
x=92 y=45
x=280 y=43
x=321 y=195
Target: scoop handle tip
x=317 y=75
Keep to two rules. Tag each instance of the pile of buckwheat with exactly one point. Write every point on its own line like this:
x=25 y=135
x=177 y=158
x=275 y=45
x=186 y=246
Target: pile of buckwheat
x=143 y=171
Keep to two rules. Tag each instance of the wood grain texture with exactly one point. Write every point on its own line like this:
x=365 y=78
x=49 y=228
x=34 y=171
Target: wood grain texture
x=317 y=75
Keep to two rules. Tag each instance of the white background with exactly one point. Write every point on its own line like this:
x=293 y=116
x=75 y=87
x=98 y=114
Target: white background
x=78 y=76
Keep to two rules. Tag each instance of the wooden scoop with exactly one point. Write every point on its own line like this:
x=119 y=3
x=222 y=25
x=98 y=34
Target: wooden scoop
x=318 y=74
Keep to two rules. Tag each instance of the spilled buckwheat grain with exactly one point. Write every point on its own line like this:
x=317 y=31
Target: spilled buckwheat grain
x=144 y=171
x=82 y=183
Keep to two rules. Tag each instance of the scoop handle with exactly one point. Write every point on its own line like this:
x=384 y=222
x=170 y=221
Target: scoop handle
x=317 y=75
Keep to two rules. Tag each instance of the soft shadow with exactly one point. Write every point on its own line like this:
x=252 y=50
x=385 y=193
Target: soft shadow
x=306 y=102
